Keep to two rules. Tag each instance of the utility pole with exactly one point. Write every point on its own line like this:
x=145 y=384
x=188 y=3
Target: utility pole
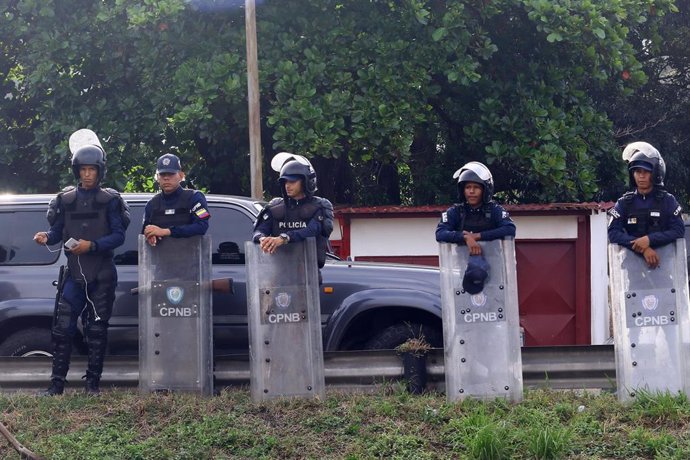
x=255 y=161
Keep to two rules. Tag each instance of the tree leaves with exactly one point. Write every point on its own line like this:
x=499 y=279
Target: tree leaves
x=371 y=91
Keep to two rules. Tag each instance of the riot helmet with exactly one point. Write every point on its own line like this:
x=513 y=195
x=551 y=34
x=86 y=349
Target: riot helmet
x=645 y=156
x=89 y=155
x=476 y=172
x=294 y=167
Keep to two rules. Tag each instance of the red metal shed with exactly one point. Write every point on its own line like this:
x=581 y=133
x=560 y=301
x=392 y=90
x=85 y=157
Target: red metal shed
x=560 y=252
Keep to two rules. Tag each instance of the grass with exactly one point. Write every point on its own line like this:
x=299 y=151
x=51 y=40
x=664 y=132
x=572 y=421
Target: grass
x=389 y=424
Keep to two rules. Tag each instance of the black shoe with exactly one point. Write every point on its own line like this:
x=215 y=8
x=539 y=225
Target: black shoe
x=57 y=387
x=91 y=385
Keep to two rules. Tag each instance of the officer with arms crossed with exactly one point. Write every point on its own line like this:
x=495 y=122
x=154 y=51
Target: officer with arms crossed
x=476 y=217
x=175 y=211
x=91 y=221
x=647 y=217
x=298 y=214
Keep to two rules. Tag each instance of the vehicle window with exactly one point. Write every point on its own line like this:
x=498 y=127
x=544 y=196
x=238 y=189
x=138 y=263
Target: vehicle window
x=229 y=229
x=128 y=253
x=17 y=246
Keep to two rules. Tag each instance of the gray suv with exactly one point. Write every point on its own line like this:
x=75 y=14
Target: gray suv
x=363 y=305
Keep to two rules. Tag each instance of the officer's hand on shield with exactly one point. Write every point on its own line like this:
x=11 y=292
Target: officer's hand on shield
x=640 y=244
x=153 y=233
x=651 y=257
x=471 y=242
x=270 y=244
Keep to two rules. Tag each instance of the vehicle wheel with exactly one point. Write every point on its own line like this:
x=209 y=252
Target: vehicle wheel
x=28 y=342
x=394 y=335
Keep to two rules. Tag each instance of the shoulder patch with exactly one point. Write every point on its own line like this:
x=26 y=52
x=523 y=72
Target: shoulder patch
x=614 y=213
x=444 y=217
x=677 y=211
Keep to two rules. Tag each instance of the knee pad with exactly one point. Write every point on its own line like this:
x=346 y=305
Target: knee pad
x=63 y=319
x=59 y=338
x=96 y=330
x=104 y=295
x=103 y=304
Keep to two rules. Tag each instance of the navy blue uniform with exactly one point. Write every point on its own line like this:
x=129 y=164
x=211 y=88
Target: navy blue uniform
x=107 y=242
x=88 y=290
x=311 y=216
x=656 y=215
x=184 y=212
x=490 y=220
x=314 y=228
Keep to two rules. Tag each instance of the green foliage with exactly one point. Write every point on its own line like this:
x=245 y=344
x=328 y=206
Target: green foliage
x=657 y=111
x=549 y=442
x=661 y=407
x=387 y=98
x=489 y=443
x=382 y=424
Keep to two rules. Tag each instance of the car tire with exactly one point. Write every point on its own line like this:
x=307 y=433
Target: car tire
x=394 y=335
x=28 y=342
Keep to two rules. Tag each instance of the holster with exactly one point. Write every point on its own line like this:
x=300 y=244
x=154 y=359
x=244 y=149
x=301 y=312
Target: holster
x=62 y=277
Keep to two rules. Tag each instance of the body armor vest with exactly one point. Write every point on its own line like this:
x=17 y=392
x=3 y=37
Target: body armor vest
x=476 y=222
x=170 y=217
x=86 y=218
x=293 y=218
x=642 y=222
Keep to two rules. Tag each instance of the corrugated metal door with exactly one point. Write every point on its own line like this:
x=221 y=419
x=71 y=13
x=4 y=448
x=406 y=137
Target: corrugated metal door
x=552 y=289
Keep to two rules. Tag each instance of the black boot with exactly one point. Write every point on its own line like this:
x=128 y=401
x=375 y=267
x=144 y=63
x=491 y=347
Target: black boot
x=57 y=387
x=91 y=384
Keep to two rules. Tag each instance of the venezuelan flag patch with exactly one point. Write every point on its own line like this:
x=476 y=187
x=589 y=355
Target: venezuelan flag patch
x=202 y=213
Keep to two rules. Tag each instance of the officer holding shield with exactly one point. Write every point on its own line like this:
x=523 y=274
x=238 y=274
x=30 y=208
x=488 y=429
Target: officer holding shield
x=174 y=278
x=91 y=221
x=298 y=214
x=175 y=211
x=481 y=323
x=648 y=216
x=283 y=308
x=477 y=217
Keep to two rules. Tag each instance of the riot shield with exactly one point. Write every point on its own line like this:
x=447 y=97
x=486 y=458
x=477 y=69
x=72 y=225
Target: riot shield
x=651 y=327
x=283 y=312
x=481 y=332
x=175 y=315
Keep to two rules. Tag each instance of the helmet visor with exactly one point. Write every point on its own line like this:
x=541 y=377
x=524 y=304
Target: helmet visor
x=281 y=158
x=642 y=148
x=82 y=138
x=479 y=169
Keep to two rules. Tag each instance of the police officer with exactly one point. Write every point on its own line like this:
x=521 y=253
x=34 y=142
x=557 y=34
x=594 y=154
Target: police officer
x=298 y=214
x=175 y=211
x=97 y=218
x=477 y=217
x=647 y=217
